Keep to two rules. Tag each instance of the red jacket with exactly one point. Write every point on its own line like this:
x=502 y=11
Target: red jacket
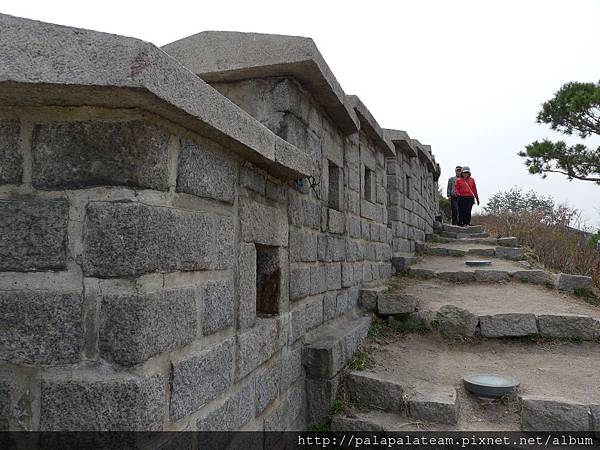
x=466 y=187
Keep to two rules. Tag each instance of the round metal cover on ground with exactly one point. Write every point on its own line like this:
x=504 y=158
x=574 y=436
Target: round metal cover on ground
x=478 y=263
x=490 y=385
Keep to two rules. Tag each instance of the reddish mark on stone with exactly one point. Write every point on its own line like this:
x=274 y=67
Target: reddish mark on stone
x=138 y=64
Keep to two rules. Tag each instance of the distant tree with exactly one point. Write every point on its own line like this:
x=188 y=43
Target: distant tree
x=575 y=108
x=516 y=201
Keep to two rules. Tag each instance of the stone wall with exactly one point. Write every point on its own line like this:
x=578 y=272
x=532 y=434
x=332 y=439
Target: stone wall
x=167 y=257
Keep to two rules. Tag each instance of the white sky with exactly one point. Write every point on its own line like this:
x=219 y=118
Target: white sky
x=467 y=77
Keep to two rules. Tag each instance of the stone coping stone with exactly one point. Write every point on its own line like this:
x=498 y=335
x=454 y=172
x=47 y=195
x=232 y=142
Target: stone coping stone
x=371 y=390
x=433 y=403
x=371 y=127
x=568 y=282
x=390 y=304
x=225 y=56
x=552 y=414
x=401 y=141
x=333 y=347
x=43 y=63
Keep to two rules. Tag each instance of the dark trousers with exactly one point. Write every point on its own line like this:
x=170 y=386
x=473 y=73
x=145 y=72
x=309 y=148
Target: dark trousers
x=465 y=204
x=454 y=207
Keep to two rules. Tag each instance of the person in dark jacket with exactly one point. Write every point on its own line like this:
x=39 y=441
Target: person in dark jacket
x=466 y=190
x=451 y=194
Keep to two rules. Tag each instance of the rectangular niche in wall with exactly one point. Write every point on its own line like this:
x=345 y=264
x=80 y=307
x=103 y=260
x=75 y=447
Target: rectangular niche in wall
x=407 y=187
x=334 y=191
x=369 y=185
x=268 y=280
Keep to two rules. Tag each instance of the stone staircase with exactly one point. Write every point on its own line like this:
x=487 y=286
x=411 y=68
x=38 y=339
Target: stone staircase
x=507 y=318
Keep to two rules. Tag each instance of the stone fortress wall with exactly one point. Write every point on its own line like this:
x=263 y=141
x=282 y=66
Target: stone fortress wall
x=185 y=231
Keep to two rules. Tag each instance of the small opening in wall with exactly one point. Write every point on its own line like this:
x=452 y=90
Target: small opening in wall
x=407 y=187
x=369 y=184
x=268 y=280
x=334 y=188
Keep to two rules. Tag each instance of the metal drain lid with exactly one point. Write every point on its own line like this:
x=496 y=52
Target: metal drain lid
x=490 y=385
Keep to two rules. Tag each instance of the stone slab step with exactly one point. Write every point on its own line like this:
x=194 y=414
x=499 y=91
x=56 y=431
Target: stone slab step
x=504 y=241
x=454 y=235
x=511 y=253
x=433 y=403
x=533 y=276
x=464 y=230
x=571 y=283
x=370 y=390
x=555 y=413
x=402 y=261
x=395 y=303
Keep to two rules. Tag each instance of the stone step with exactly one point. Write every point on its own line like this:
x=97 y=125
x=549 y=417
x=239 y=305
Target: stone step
x=555 y=413
x=402 y=261
x=424 y=401
x=463 y=230
x=483 y=275
x=503 y=241
x=454 y=235
x=512 y=253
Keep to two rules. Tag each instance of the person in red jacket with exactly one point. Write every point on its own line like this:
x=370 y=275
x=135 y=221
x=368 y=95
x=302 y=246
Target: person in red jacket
x=466 y=191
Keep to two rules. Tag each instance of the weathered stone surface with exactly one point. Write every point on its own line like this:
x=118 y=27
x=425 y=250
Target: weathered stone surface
x=368 y=297
x=336 y=221
x=530 y=276
x=344 y=423
x=135 y=327
x=460 y=276
x=553 y=414
x=306 y=317
x=389 y=304
x=205 y=170
x=514 y=253
x=38 y=327
x=291 y=367
x=303 y=246
x=334 y=276
x=258 y=344
x=456 y=322
x=124 y=239
x=296 y=398
x=347 y=274
x=433 y=403
x=253 y=180
x=508 y=241
x=11 y=160
x=267 y=386
x=482 y=251
x=247 y=286
x=569 y=325
x=300 y=281
x=421 y=273
x=71 y=155
x=595 y=410
x=318 y=282
x=34 y=234
x=320 y=394
x=263 y=224
x=489 y=276
x=372 y=391
x=329 y=305
x=336 y=248
x=567 y=282
x=81 y=403
x=199 y=377
x=510 y=324
x=218 y=305
x=235 y=412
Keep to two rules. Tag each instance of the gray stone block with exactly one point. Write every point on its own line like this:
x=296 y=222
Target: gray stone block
x=568 y=326
x=135 y=327
x=236 y=411
x=390 y=304
x=336 y=221
x=508 y=241
x=431 y=403
x=459 y=276
x=258 y=344
x=34 y=234
x=320 y=394
x=124 y=239
x=205 y=170
x=297 y=407
x=370 y=390
x=553 y=414
x=514 y=253
x=595 y=411
x=300 y=283
x=344 y=423
x=119 y=402
x=334 y=276
x=223 y=255
x=291 y=367
x=368 y=297
x=510 y=324
x=200 y=377
x=482 y=252
x=263 y=224
x=306 y=317
x=347 y=274
x=11 y=161
x=267 y=386
x=489 y=276
x=71 y=155
x=276 y=192
x=456 y=322
x=251 y=179
x=218 y=305
x=41 y=328
x=336 y=248
x=530 y=276
x=318 y=282
x=354 y=230
x=329 y=305
x=570 y=283
x=303 y=246
x=247 y=286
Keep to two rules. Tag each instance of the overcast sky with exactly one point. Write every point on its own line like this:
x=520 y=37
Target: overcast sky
x=467 y=77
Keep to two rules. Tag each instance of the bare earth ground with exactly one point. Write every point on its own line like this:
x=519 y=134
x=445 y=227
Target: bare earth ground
x=450 y=263
x=494 y=298
x=556 y=369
